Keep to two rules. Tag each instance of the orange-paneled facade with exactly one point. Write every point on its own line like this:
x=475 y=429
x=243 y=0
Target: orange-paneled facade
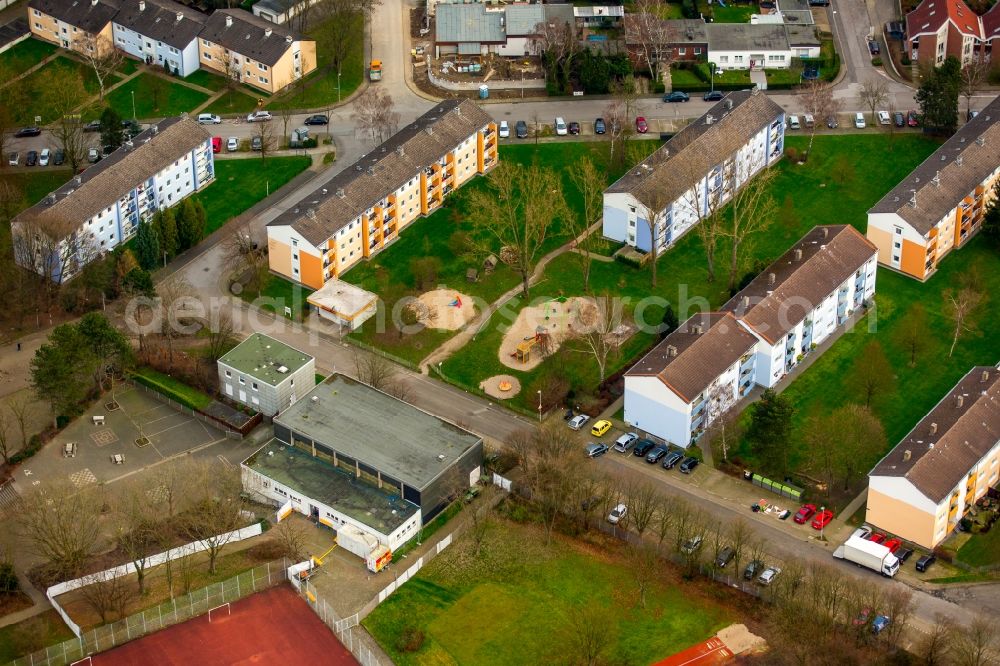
x=293 y=257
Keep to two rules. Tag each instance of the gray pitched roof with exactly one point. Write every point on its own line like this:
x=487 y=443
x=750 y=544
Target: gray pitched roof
x=86 y=15
x=104 y=183
x=249 y=35
x=683 y=160
x=952 y=172
x=787 y=290
x=746 y=37
x=163 y=20
x=321 y=213
x=467 y=23
x=691 y=357
x=941 y=450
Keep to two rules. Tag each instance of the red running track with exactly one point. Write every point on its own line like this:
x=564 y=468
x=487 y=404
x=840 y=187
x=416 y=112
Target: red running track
x=712 y=651
x=271 y=627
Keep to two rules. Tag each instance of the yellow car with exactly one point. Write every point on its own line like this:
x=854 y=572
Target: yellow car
x=600 y=428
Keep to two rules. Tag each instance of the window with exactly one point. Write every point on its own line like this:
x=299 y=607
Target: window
x=254 y=400
x=253 y=385
x=697 y=50
x=261 y=67
x=36 y=12
x=723 y=59
x=228 y=373
x=682 y=51
x=292 y=382
x=206 y=56
x=895 y=258
x=243 y=381
x=295 y=242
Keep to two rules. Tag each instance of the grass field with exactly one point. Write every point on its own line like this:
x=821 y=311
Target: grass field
x=173 y=389
x=35 y=185
x=35 y=83
x=981 y=549
x=206 y=79
x=240 y=183
x=32 y=634
x=277 y=293
x=733 y=13
x=519 y=601
x=171 y=100
x=22 y=57
x=232 y=101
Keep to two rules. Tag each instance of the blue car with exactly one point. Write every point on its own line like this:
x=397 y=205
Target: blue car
x=879 y=623
x=676 y=96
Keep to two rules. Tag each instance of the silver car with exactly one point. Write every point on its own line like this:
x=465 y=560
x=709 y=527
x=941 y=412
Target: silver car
x=768 y=575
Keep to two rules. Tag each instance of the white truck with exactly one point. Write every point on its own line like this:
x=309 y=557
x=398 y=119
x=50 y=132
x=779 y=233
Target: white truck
x=868 y=554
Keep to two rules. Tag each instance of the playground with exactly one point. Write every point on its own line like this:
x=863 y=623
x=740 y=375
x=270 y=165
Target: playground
x=501 y=387
x=539 y=330
x=445 y=309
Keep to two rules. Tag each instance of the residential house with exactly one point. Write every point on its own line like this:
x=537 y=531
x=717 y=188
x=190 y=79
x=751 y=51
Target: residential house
x=80 y=25
x=682 y=39
x=478 y=29
x=698 y=372
x=603 y=16
x=748 y=46
x=365 y=207
x=104 y=205
x=159 y=32
x=940 y=205
x=347 y=453
x=255 y=51
x=933 y=477
x=694 y=172
x=937 y=29
x=265 y=374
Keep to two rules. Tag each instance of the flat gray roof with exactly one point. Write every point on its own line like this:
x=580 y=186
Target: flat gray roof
x=468 y=23
x=746 y=37
x=378 y=430
x=260 y=356
x=322 y=481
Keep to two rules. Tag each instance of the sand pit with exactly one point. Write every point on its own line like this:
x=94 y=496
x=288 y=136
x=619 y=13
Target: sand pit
x=501 y=387
x=555 y=321
x=739 y=639
x=436 y=309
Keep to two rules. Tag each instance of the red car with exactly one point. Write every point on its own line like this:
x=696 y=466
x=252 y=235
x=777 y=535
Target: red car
x=893 y=545
x=912 y=120
x=822 y=520
x=216 y=144
x=805 y=513
x=640 y=125
x=877 y=537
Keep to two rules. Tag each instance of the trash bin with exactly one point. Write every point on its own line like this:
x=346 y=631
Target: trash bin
x=484 y=91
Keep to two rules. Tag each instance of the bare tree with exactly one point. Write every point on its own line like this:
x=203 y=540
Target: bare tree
x=482 y=518
x=174 y=295
x=137 y=523
x=264 y=133
x=899 y=606
x=591 y=183
x=338 y=27
x=243 y=256
x=291 y=537
x=286 y=114
x=961 y=307
x=976 y=644
x=873 y=94
x=101 y=55
x=222 y=335
x=653 y=202
x=645 y=29
x=597 y=338
x=5 y=441
x=19 y=410
x=751 y=210
x=62 y=93
x=818 y=101
x=974 y=75
x=642 y=501
x=61 y=524
x=107 y=593
x=551 y=464
x=590 y=638
x=912 y=332
x=373 y=369
x=217 y=510
x=559 y=45
x=644 y=565
x=740 y=538
x=375 y=114
x=934 y=646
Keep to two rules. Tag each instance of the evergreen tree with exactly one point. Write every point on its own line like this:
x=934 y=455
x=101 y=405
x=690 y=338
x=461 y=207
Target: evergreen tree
x=139 y=283
x=770 y=431
x=938 y=96
x=111 y=128
x=669 y=322
x=991 y=218
x=190 y=218
x=147 y=246
x=166 y=231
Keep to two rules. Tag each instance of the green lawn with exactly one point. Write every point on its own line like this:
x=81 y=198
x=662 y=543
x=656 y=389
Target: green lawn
x=172 y=99
x=521 y=602
x=35 y=83
x=981 y=549
x=205 y=79
x=783 y=77
x=319 y=90
x=277 y=293
x=669 y=10
x=27 y=636
x=35 y=185
x=22 y=57
x=240 y=183
x=172 y=388
x=232 y=101
x=733 y=13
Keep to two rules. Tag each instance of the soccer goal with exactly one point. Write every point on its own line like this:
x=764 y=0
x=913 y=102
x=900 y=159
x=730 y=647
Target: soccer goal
x=218 y=610
x=86 y=661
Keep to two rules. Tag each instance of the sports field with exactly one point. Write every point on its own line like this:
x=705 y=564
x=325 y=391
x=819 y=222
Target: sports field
x=271 y=627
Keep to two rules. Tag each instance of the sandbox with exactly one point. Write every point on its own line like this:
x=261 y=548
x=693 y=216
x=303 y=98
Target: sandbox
x=445 y=309
x=539 y=330
x=501 y=387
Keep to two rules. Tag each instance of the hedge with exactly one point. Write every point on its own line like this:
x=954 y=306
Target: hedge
x=177 y=391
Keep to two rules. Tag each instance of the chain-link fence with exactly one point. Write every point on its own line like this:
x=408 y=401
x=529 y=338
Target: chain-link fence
x=353 y=637
x=175 y=611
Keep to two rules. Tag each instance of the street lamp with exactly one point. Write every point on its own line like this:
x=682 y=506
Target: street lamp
x=821 y=510
x=338 y=86
x=539 y=406
x=711 y=70
x=133 y=105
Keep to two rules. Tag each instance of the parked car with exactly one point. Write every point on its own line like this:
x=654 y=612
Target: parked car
x=793 y=123
x=862 y=532
x=599 y=126
x=862 y=618
x=209 y=119
x=879 y=624
x=899 y=119
x=216 y=144
x=893 y=545
x=752 y=569
x=256 y=143
x=28 y=131
x=574 y=128
x=259 y=116
x=768 y=575
x=725 y=556
x=641 y=126
x=810 y=73
x=883 y=118
x=903 y=554
x=873 y=47
x=560 y=127
x=43 y=157
x=318 y=119
x=806 y=512
x=600 y=428
x=925 y=562
x=831 y=122
x=130 y=129
x=93 y=155
x=625 y=442
x=912 y=120
x=504 y=130
x=521 y=129
x=596 y=450
x=713 y=96
x=642 y=447
x=92 y=126
x=877 y=537
x=32 y=158
x=808 y=121
x=689 y=464
x=672 y=459
x=676 y=96
x=617 y=514
x=13 y=159
x=657 y=453
x=578 y=421
x=232 y=144
x=970 y=115
x=859 y=120
x=59 y=157
x=692 y=544
x=822 y=519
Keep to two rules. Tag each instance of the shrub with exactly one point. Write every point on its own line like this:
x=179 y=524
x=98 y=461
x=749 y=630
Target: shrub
x=8 y=579
x=410 y=639
x=628 y=261
x=876 y=61
x=792 y=154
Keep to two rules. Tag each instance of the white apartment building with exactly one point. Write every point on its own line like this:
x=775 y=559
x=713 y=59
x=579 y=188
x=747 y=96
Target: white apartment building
x=159 y=32
x=104 y=205
x=934 y=476
x=365 y=207
x=695 y=172
x=712 y=360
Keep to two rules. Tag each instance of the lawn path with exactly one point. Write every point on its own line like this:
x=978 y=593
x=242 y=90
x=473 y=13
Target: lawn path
x=34 y=68
x=455 y=343
x=97 y=98
x=214 y=96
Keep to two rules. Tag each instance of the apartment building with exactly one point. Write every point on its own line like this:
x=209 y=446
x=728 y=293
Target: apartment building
x=255 y=51
x=104 y=205
x=695 y=172
x=365 y=207
x=940 y=205
x=930 y=480
x=936 y=29
x=710 y=362
x=159 y=32
x=80 y=25
x=265 y=374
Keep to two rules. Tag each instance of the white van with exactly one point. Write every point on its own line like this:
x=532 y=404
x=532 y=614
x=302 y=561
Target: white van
x=859 y=120
x=883 y=118
x=561 y=129
x=209 y=119
x=793 y=123
x=43 y=157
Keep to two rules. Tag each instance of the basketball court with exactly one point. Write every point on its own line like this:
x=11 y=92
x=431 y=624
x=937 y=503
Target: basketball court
x=271 y=627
